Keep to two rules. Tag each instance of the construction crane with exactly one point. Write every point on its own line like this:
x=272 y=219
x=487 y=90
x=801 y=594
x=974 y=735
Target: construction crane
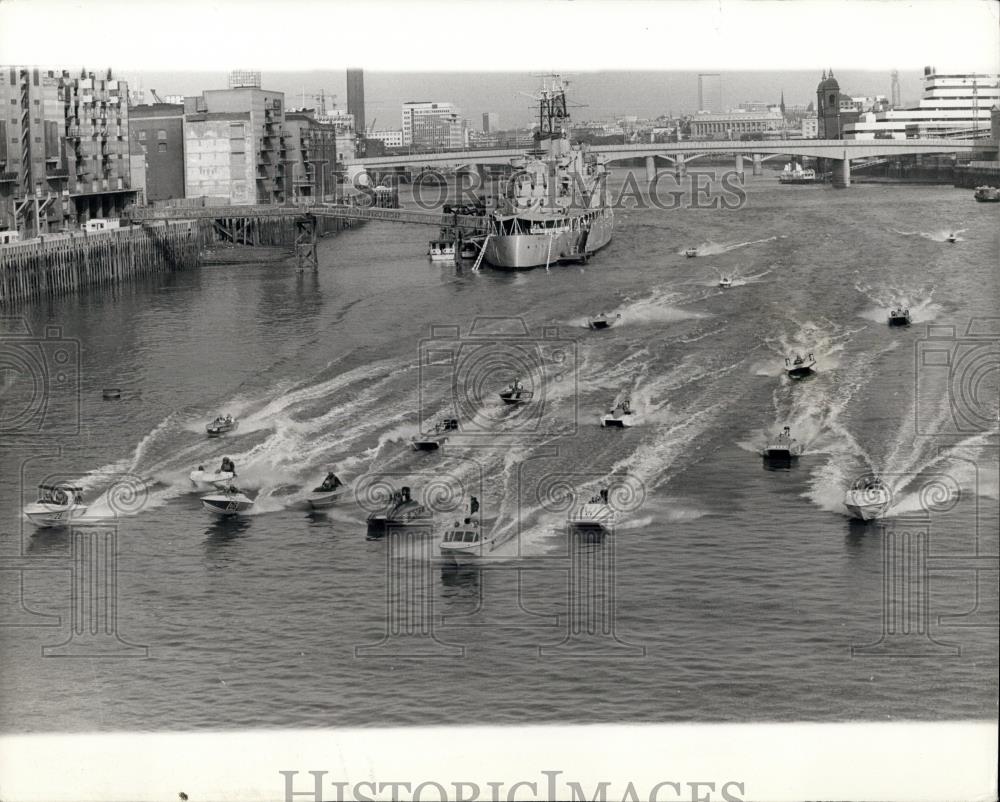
x=156 y=97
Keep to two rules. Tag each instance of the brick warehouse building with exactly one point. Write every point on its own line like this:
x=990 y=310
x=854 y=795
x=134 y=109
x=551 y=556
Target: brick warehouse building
x=64 y=149
x=156 y=132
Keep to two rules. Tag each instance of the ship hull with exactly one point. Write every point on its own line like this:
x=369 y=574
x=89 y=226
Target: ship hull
x=525 y=251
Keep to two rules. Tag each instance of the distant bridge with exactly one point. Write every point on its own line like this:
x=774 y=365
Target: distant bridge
x=682 y=153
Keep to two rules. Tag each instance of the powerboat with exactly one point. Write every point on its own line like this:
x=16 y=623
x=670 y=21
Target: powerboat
x=57 y=505
x=690 y=253
x=327 y=494
x=466 y=541
x=516 y=394
x=441 y=251
x=621 y=416
x=596 y=517
x=222 y=425
x=228 y=501
x=783 y=448
x=725 y=282
x=798 y=367
x=402 y=511
x=602 y=321
x=437 y=437
x=899 y=317
x=869 y=498
x=951 y=238
x=206 y=480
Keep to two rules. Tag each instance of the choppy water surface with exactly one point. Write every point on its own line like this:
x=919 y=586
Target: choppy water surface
x=729 y=593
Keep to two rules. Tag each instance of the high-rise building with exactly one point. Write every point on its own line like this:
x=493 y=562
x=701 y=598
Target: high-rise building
x=356 y=98
x=157 y=135
x=709 y=92
x=491 y=122
x=952 y=104
x=64 y=148
x=432 y=125
x=233 y=146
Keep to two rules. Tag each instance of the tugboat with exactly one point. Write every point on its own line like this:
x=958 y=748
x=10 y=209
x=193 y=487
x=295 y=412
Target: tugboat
x=869 y=498
x=899 y=317
x=441 y=251
x=227 y=502
x=690 y=253
x=57 y=505
x=402 y=511
x=726 y=282
x=437 y=437
x=222 y=425
x=516 y=394
x=799 y=367
x=783 y=448
x=621 y=416
x=327 y=494
x=603 y=321
x=596 y=517
x=466 y=541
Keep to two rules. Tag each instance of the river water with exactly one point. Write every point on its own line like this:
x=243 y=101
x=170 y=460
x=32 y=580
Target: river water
x=729 y=592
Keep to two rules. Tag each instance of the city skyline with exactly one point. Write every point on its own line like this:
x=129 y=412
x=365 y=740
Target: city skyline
x=595 y=95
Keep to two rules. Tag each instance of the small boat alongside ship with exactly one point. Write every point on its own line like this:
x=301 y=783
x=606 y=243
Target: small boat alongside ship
x=899 y=317
x=596 y=517
x=868 y=499
x=57 y=505
x=799 y=367
x=602 y=321
x=222 y=425
x=441 y=251
x=437 y=437
x=402 y=511
x=327 y=494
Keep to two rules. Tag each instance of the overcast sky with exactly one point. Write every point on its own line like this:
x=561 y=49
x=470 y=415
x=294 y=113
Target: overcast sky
x=448 y=50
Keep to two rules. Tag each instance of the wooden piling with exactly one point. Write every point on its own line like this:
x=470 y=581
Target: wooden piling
x=61 y=263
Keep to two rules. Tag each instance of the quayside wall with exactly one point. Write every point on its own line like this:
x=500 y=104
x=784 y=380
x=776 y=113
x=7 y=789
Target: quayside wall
x=61 y=263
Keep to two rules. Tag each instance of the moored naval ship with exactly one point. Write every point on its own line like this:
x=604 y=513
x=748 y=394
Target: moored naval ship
x=556 y=207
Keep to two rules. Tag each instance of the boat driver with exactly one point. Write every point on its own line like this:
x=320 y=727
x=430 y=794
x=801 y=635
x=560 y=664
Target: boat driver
x=228 y=466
